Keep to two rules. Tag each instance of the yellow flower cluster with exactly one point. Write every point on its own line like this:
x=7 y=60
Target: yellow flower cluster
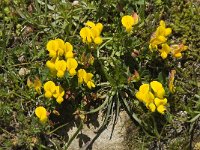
x=83 y=76
x=58 y=67
x=159 y=37
x=91 y=33
x=57 y=48
x=129 y=21
x=51 y=90
x=152 y=95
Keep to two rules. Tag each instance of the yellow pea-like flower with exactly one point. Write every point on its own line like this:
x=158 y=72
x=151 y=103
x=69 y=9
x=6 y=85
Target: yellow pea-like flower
x=99 y=26
x=88 y=80
x=61 y=46
x=51 y=64
x=72 y=64
x=59 y=93
x=56 y=48
x=143 y=90
x=81 y=75
x=41 y=113
x=165 y=51
x=86 y=35
x=144 y=94
x=60 y=67
x=52 y=47
x=177 y=49
x=68 y=50
x=49 y=88
x=158 y=89
x=127 y=22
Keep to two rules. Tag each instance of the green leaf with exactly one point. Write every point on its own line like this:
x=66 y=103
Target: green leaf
x=195 y=118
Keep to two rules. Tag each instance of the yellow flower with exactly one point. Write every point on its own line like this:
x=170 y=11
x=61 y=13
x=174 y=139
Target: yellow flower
x=143 y=90
x=158 y=89
x=49 y=88
x=51 y=64
x=81 y=75
x=59 y=93
x=61 y=46
x=56 y=47
x=162 y=30
x=177 y=49
x=71 y=66
x=86 y=35
x=52 y=47
x=171 y=81
x=96 y=30
x=41 y=113
x=127 y=22
x=144 y=94
x=160 y=104
x=37 y=85
x=156 y=40
x=68 y=50
x=88 y=80
x=60 y=67
x=165 y=51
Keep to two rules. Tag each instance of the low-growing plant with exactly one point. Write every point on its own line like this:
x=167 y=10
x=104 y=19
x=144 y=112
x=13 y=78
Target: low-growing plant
x=72 y=69
x=88 y=63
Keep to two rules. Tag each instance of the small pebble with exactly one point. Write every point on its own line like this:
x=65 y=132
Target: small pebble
x=23 y=71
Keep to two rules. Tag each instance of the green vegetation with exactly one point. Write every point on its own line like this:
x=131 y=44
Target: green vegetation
x=118 y=58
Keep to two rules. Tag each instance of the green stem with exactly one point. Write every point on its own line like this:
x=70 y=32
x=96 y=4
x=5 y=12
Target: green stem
x=46 y=10
x=101 y=106
x=57 y=128
x=98 y=53
x=66 y=146
x=155 y=127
